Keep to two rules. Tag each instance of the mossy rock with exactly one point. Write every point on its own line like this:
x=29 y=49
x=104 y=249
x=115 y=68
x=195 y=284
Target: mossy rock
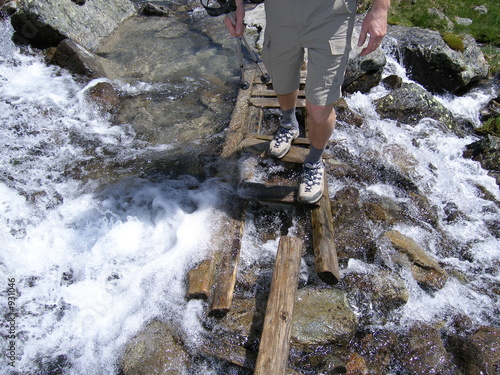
x=490 y=126
x=453 y=41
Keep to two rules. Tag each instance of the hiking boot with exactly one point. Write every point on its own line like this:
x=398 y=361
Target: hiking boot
x=282 y=140
x=312 y=182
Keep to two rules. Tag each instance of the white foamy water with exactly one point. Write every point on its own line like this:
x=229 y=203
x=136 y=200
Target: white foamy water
x=89 y=269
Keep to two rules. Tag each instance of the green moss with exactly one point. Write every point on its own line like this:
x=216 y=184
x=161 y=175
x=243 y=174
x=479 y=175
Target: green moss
x=490 y=126
x=453 y=41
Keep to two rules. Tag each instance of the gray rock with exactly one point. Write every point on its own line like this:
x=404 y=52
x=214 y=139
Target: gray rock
x=375 y=293
x=78 y=60
x=433 y=64
x=322 y=316
x=422 y=352
x=363 y=73
x=481 y=9
x=480 y=352
x=155 y=350
x=45 y=23
x=411 y=103
x=425 y=269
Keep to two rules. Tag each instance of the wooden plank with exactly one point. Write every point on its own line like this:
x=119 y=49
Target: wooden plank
x=239 y=120
x=325 y=252
x=255 y=116
x=264 y=91
x=259 y=146
x=275 y=340
x=268 y=193
x=273 y=102
x=300 y=141
x=226 y=262
x=200 y=280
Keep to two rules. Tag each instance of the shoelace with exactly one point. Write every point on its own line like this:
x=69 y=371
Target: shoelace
x=283 y=135
x=312 y=176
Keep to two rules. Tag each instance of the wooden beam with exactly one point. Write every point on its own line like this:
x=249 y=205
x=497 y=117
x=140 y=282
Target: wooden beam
x=200 y=280
x=268 y=193
x=327 y=266
x=259 y=146
x=226 y=261
x=273 y=102
x=275 y=340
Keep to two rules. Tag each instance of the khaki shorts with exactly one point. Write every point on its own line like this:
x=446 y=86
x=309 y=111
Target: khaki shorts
x=324 y=28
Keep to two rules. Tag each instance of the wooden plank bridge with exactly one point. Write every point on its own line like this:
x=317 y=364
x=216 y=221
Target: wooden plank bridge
x=214 y=279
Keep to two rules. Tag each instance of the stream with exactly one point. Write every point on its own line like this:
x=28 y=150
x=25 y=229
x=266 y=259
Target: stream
x=98 y=231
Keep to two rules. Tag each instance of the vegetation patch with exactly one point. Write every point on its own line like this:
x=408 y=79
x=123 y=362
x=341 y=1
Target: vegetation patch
x=453 y=41
x=490 y=126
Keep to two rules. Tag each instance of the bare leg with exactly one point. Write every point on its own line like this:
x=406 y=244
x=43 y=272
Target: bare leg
x=288 y=101
x=321 y=122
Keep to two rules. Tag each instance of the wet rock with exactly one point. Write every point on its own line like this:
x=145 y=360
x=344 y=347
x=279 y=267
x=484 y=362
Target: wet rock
x=487 y=152
x=411 y=103
x=422 y=351
x=242 y=325
x=155 y=350
x=480 y=352
x=375 y=292
x=44 y=24
x=352 y=234
x=434 y=64
x=322 y=316
x=150 y=9
x=425 y=269
x=377 y=347
x=345 y=114
x=104 y=96
x=392 y=82
x=363 y=72
x=77 y=59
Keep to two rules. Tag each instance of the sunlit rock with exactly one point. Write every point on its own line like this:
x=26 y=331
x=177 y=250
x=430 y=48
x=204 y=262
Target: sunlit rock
x=45 y=23
x=425 y=269
x=434 y=64
x=411 y=103
x=422 y=351
x=322 y=316
x=155 y=350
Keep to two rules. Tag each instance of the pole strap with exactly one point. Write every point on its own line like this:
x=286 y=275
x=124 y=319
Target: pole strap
x=218 y=7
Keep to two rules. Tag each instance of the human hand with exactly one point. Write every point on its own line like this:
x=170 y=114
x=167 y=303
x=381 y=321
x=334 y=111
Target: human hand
x=234 y=21
x=375 y=25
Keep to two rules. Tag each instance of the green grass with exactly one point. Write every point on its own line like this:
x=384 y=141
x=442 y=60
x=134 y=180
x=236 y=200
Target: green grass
x=485 y=28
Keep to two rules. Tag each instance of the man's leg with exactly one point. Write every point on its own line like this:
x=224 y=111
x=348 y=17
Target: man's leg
x=321 y=122
x=289 y=128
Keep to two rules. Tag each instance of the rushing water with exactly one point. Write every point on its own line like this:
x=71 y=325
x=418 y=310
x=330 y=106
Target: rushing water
x=91 y=263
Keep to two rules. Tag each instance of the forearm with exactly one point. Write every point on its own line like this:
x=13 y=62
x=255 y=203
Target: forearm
x=379 y=5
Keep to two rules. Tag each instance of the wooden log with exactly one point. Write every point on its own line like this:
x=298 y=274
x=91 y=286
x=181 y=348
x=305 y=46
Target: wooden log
x=300 y=141
x=275 y=340
x=268 y=193
x=226 y=262
x=259 y=146
x=327 y=266
x=273 y=102
x=200 y=280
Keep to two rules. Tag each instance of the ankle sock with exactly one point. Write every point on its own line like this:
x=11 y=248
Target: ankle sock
x=290 y=118
x=314 y=156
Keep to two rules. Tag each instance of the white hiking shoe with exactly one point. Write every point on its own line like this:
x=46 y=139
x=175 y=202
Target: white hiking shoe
x=311 y=186
x=282 y=140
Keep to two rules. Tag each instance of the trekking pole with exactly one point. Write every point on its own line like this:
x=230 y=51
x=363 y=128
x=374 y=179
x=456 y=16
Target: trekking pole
x=265 y=78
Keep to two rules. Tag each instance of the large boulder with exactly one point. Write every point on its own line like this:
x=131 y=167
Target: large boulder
x=363 y=72
x=431 y=62
x=321 y=317
x=46 y=23
x=411 y=103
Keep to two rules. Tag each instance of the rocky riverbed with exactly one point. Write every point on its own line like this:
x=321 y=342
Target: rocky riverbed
x=420 y=265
